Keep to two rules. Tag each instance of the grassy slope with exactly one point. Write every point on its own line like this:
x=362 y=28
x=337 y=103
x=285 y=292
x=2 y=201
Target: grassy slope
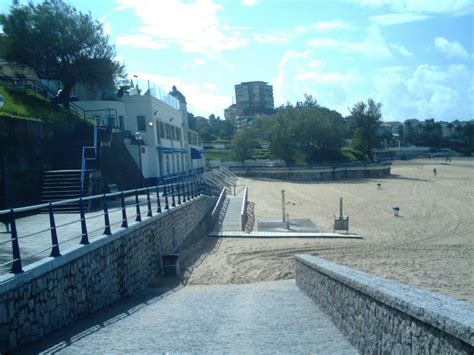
x=23 y=104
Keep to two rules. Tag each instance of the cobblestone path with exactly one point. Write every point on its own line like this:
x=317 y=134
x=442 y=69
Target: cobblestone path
x=264 y=317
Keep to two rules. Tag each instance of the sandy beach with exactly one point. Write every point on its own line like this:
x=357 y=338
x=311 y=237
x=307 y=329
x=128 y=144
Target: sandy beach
x=430 y=245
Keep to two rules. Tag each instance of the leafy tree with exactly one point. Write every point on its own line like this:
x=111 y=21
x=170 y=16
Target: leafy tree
x=432 y=133
x=283 y=134
x=367 y=118
x=306 y=131
x=59 y=43
x=244 y=142
x=320 y=133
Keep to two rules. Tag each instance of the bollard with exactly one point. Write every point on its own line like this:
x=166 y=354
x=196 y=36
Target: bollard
x=340 y=208
x=124 y=211
x=173 y=203
x=183 y=189
x=54 y=236
x=283 y=205
x=158 y=200
x=137 y=206
x=287 y=221
x=85 y=237
x=165 y=194
x=106 y=216
x=16 y=266
x=149 y=214
x=178 y=193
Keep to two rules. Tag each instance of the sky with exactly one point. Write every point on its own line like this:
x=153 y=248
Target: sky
x=415 y=57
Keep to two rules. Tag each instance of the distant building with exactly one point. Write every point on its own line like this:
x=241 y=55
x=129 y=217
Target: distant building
x=231 y=112
x=254 y=97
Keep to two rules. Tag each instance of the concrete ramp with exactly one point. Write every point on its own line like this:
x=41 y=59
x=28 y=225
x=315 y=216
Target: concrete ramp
x=265 y=317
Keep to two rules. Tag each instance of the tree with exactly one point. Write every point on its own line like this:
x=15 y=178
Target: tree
x=367 y=118
x=306 y=132
x=283 y=134
x=244 y=142
x=59 y=43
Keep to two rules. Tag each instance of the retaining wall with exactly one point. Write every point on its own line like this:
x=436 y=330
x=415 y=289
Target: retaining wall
x=54 y=292
x=310 y=174
x=380 y=316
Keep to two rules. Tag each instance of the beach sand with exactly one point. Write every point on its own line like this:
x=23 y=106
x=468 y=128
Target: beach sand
x=430 y=245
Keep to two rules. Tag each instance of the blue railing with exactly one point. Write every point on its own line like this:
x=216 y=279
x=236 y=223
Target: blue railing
x=117 y=210
x=99 y=123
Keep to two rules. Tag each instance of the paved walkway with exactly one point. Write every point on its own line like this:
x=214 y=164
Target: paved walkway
x=68 y=225
x=266 y=317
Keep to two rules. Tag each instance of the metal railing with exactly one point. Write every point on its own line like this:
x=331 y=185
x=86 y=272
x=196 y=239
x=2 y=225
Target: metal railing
x=114 y=212
x=99 y=123
x=243 y=211
x=219 y=202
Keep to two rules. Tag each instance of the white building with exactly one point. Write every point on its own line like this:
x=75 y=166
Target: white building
x=168 y=147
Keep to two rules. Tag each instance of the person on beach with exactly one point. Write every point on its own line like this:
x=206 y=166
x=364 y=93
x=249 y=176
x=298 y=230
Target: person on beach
x=434 y=171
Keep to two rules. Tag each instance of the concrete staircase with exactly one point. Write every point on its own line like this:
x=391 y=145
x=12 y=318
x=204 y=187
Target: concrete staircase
x=64 y=181
x=62 y=185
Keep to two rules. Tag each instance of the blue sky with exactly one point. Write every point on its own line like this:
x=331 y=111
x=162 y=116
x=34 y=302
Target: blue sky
x=416 y=57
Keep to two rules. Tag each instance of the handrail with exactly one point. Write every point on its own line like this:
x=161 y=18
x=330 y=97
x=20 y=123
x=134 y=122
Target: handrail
x=243 y=211
x=220 y=201
x=165 y=198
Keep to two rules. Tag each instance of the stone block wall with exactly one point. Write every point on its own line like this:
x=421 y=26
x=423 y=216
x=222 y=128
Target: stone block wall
x=55 y=292
x=379 y=316
x=314 y=174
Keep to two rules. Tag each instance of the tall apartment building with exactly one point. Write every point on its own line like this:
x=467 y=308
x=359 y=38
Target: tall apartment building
x=254 y=97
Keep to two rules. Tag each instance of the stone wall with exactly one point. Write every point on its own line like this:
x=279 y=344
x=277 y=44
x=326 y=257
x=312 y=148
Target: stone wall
x=379 y=316
x=54 y=292
x=314 y=174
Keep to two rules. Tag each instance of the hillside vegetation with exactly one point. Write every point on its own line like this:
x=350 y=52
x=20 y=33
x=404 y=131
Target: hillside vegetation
x=24 y=104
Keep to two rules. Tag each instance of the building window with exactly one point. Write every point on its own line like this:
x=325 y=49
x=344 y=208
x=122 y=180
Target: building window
x=121 y=124
x=141 y=123
x=162 y=130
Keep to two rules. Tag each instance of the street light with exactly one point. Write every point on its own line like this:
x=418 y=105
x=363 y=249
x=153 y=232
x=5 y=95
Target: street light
x=139 y=140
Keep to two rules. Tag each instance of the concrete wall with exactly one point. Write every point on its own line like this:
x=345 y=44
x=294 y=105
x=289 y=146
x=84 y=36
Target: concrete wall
x=55 y=292
x=27 y=149
x=314 y=174
x=380 y=316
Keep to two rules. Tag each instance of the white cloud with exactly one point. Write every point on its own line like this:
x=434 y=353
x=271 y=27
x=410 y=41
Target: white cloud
x=322 y=77
x=272 y=38
x=249 y=2
x=140 y=41
x=324 y=26
x=397 y=19
x=302 y=72
x=199 y=61
x=370 y=48
x=194 y=27
x=401 y=50
x=450 y=49
x=316 y=63
x=452 y=7
x=373 y=45
x=426 y=92
x=209 y=86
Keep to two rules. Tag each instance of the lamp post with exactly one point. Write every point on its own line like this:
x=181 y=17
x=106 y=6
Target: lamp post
x=139 y=140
